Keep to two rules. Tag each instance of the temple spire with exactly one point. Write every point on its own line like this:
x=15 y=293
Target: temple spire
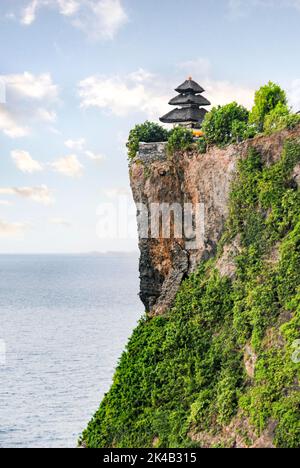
x=189 y=99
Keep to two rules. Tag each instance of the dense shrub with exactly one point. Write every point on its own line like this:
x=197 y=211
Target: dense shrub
x=279 y=119
x=276 y=119
x=266 y=100
x=233 y=123
x=202 y=145
x=225 y=124
x=147 y=132
x=180 y=138
x=238 y=131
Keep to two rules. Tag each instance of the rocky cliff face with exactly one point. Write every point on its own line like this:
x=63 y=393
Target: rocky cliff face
x=222 y=367
x=188 y=177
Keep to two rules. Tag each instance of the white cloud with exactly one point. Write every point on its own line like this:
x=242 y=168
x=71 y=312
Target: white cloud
x=224 y=92
x=68 y=7
x=54 y=130
x=76 y=145
x=101 y=19
x=65 y=7
x=29 y=98
x=141 y=75
x=60 y=222
x=98 y=19
x=40 y=194
x=80 y=146
x=68 y=166
x=10 y=126
x=217 y=91
x=46 y=115
x=136 y=93
x=121 y=95
x=5 y=203
x=8 y=229
x=37 y=87
x=28 y=15
x=94 y=157
x=25 y=163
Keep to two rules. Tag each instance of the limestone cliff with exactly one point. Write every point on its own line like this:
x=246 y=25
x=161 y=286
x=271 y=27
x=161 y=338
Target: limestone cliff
x=216 y=361
x=188 y=177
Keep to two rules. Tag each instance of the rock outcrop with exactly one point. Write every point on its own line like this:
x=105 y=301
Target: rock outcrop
x=188 y=178
x=220 y=367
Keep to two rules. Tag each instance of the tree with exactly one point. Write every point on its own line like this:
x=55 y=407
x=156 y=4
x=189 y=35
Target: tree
x=266 y=100
x=276 y=119
x=180 y=138
x=148 y=132
x=225 y=124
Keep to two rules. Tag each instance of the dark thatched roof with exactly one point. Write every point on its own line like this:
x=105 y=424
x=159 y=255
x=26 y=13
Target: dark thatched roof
x=186 y=114
x=184 y=99
x=190 y=100
x=190 y=86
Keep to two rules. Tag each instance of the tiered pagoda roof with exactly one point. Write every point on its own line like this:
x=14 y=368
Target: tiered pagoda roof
x=190 y=86
x=190 y=100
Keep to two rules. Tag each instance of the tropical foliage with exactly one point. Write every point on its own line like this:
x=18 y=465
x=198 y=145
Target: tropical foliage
x=180 y=138
x=267 y=98
x=225 y=124
x=147 y=132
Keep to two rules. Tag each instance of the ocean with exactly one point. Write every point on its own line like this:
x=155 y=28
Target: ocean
x=65 y=321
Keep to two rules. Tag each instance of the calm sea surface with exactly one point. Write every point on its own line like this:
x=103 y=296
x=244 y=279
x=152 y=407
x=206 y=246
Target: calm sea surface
x=65 y=321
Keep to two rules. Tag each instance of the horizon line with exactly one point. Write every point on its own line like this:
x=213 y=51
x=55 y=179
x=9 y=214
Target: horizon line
x=121 y=252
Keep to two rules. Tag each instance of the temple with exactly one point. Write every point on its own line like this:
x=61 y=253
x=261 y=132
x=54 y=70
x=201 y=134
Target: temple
x=190 y=99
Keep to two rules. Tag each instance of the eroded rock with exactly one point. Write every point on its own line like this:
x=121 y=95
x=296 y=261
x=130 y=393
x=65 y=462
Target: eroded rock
x=190 y=178
x=226 y=264
x=250 y=359
x=296 y=174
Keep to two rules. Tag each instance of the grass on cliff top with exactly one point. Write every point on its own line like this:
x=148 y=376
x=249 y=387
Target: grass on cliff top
x=184 y=373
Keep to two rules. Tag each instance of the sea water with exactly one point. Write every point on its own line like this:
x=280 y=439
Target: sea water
x=64 y=322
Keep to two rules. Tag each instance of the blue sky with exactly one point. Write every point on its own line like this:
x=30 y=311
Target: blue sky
x=77 y=75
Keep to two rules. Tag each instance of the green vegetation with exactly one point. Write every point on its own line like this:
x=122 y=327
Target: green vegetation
x=267 y=98
x=279 y=119
x=225 y=124
x=233 y=123
x=184 y=373
x=180 y=139
x=147 y=132
x=276 y=119
x=201 y=145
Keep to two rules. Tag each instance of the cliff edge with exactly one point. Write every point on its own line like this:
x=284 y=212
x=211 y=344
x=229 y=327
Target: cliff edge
x=216 y=360
x=183 y=178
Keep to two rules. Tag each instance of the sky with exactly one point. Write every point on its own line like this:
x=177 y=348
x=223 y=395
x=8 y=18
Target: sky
x=76 y=76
